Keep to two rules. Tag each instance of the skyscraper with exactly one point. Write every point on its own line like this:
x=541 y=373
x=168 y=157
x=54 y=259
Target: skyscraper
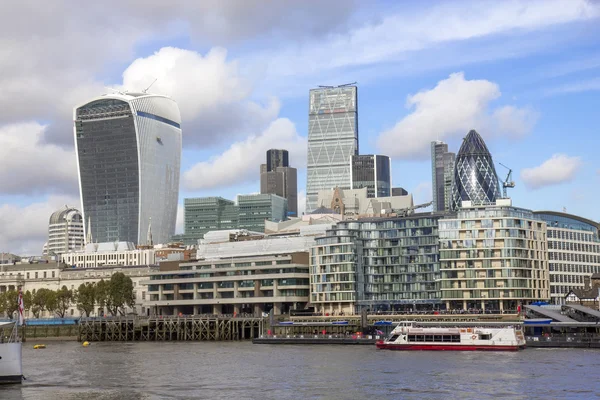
x=442 y=166
x=372 y=172
x=332 y=140
x=277 y=177
x=475 y=177
x=128 y=156
x=65 y=231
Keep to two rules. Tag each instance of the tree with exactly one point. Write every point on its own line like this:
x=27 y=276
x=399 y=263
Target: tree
x=51 y=301
x=43 y=299
x=9 y=302
x=102 y=289
x=64 y=297
x=27 y=300
x=86 y=298
x=120 y=293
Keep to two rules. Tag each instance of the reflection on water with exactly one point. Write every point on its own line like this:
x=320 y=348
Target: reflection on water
x=246 y=371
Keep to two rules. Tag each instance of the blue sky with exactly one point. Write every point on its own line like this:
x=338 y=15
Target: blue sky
x=524 y=74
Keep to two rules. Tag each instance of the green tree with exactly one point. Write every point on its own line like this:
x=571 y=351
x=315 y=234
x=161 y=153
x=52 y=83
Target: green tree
x=9 y=302
x=64 y=298
x=43 y=299
x=27 y=300
x=120 y=293
x=86 y=298
x=102 y=290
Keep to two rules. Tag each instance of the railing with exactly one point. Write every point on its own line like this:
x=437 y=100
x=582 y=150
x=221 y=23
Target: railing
x=170 y=317
x=571 y=338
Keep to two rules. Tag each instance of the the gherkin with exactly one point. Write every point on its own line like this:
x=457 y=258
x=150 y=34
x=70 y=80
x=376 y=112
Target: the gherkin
x=475 y=177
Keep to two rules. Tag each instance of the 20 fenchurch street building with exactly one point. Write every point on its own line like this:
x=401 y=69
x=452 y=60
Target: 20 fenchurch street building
x=332 y=140
x=128 y=157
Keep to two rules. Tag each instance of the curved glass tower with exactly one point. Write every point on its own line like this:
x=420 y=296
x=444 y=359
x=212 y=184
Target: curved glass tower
x=128 y=157
x=475 y=177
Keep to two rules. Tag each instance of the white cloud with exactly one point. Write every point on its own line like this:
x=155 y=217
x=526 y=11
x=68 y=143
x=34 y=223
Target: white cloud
x=449 y=110
x=558 y=169
x=301 y=202
x=241 y=162
x=212 y=95
x=25 y=228
x=31 y=166
x=408 y=30
x=577 y=87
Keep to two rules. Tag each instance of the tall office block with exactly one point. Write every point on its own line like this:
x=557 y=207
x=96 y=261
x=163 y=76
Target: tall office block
x=442 y=167
x=475 y=177
x=277 y=177
x=65 y=231
x=128 y=156
x=373 y=172
x=332 y=140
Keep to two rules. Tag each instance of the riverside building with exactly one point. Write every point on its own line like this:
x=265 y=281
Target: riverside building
x=128 y=149
x=237 y=271
x=573 y=252
x=493 y=258
x=332 y=140
x=378 y=264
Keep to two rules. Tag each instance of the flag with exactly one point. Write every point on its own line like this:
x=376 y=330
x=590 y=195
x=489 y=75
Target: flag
x=21 y=308
x=378 y=332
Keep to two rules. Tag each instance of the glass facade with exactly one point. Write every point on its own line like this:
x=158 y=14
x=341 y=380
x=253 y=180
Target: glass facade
x=129 y=154
x=378 y=263
x=573 y=252
x=493 y=258
x=442 y=166
x=255 y=209
x=372 y=172
x=277 y=177
x=475 y=177
x=332 y=140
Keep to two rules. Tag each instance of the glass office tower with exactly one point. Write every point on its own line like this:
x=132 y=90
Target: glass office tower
x=332 y=140
x=373 y=172
x=128 y=156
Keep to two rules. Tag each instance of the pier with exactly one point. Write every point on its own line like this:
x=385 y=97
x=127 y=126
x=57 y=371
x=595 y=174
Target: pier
x=160 y=328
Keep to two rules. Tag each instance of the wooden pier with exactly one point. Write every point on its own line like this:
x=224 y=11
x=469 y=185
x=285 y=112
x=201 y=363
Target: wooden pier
x=185 y=328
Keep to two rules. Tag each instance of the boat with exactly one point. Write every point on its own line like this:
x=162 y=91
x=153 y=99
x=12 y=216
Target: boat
x=456 y=336
x=11 y=368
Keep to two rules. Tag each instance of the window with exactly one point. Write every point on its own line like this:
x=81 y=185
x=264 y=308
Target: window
x=28 y=275
x=44 y=274
x=36 y=275
x=53 y=274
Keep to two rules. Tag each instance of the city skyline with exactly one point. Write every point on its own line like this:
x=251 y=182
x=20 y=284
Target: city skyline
x=528 y=86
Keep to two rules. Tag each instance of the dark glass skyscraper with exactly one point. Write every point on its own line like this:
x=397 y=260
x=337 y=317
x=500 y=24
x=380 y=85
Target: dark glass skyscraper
x=373 y=172
x=475 y=177
x=442 y=166
x=128 y=149
x=277 y=177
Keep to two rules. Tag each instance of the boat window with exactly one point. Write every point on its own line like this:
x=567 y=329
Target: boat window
x=429 y=338
x=485 y=336
x=437 y=338
x=412 y=338
x=420 y=338
x=456 y=338
x=393 y=338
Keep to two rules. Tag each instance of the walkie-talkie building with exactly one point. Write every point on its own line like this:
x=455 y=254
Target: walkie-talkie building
x=475 y=177
x=332 y=140
x=128 y=157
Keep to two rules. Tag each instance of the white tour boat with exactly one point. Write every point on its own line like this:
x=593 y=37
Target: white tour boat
x=455 y=336
x=11 y=370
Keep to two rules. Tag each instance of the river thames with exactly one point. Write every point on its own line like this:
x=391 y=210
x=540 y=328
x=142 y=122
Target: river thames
x=241 y=370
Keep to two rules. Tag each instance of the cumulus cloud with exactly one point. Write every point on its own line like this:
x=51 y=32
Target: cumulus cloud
x=30 y=166
x=241 y=162
x=559 y=168
x=25 y=228
x=451 y=109
x=212 y=95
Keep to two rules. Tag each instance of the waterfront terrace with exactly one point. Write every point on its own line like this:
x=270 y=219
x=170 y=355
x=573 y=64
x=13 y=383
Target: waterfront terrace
x=240 y=285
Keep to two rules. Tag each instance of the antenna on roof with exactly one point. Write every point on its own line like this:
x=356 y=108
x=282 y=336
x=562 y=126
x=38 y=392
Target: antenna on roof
x=146 y=90
x=347 y=84
x=115 y=90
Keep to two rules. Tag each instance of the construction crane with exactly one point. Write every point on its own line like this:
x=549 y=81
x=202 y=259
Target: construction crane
x=508 y=182
x=403 y=212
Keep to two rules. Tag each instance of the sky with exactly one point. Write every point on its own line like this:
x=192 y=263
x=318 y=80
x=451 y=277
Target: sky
x=524 y=73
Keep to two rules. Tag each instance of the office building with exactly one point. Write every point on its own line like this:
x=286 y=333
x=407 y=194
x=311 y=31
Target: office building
x=332 y=140
x=493 y=258
x=352 y=203
x=573 y=252
x=399 y=191
x=381 y=264
x=277 y=177
x=65 y=231
x=442 y=167
x=373 y=172
x=254 y=209
x=475 y=177
x=128 y=149
x=237 y=272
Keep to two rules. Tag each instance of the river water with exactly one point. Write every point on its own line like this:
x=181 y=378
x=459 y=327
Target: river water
x=241 y=370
